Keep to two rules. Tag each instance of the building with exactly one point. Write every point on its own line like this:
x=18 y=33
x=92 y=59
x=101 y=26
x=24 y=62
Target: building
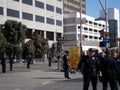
x=90 y=31
x=74 y=6
x=42 y=16
x=113 y=21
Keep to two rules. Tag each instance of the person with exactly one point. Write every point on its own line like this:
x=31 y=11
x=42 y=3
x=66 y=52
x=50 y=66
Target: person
x=49 y=61
x=3 y=62
x=11 y=61
x=89 y=65
x=29 y=59
x=117 y=59
x=66 y=64
x=108 y=71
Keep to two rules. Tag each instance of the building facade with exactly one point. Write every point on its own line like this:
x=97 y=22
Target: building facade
x=113 y=21
x=42 y=16
x=90 y=31
x=74 y=6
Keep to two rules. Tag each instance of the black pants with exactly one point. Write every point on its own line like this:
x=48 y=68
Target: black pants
x=3 y=68
x=111 y=79
x=66 y=72
x=86 y=82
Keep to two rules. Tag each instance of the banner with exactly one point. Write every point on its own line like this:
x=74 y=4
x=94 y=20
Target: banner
x=74 y=57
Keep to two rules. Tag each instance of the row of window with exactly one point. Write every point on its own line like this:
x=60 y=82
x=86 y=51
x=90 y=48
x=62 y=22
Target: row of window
x=49 y=35
x=41 y=5
x=91 y=37
x=28 y=16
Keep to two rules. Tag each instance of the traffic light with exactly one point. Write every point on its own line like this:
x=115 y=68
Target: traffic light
x=102 y=44
x=101 y=34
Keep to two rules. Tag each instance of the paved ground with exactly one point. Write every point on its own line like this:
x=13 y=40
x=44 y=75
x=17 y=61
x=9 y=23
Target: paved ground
x=39 y=77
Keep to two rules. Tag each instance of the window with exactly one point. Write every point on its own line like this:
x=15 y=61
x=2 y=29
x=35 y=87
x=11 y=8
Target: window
x=58 y=22
x=50 y=21
x=27 y=2
x=1 y=10
x=16 y=0
x=39 y=4
x=59 y=0
x=58 y=10
x=39 y=18
x=13 y=13
x=27 y=16
x=50 y=7
x=50 y=35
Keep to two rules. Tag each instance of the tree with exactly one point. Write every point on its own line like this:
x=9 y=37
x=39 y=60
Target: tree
x=15 y=34
x=2 y=40
x=29 y=48
x=41 y=45
x=60 y=41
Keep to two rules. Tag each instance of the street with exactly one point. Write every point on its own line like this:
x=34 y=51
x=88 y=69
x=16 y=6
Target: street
x=39 y=77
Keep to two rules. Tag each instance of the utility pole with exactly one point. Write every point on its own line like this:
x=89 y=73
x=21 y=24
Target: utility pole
x=106 y=15
x=80 y=35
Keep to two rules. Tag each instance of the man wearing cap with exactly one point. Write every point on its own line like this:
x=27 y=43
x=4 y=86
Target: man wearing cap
x=90 y=69
x=66 y=64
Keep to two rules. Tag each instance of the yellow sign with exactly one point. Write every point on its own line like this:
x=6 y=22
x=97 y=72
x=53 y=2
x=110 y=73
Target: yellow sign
x=74 y=57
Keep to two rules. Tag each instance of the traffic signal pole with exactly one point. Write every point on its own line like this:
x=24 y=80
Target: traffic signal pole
x=106 y=15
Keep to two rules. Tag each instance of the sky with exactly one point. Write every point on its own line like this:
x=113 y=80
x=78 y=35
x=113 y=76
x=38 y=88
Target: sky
x=93 y=7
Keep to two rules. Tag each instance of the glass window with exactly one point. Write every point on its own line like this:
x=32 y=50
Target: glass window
x=16 y=0
x=58 y=22
x=1 y=10
x=27 y=2
x=50 y=35
x=50 y=21
x=12 y=13
x=58 y=10
x=27 y=16
x=39 y=4
x=39 y=18
x=50 y=7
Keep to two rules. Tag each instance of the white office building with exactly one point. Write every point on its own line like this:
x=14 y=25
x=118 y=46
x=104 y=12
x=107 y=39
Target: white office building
x=90 y=31
x=42 y=16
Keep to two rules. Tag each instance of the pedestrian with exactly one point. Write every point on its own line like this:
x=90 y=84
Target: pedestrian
x=49 y=60
x=117 y=59
x=66 y=64
x=89 y=67
x=29 y=59
x=11 y=61
x=3 y=62
x=108 y=71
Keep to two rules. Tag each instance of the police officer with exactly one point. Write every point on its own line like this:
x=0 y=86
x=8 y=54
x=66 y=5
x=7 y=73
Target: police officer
x=109 y=69
x=66 y=64
x=29 y=59
x=117 y=59
x=90 y=69
x=3 y=62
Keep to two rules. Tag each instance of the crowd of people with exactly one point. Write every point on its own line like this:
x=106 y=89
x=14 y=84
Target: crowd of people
x=97 y=67
x=103 y=66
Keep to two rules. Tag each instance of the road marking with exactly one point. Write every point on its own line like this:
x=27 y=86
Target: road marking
x=17 y=89
x=44 y=83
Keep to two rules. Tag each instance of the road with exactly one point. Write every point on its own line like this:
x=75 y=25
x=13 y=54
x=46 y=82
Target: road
x=40 y=77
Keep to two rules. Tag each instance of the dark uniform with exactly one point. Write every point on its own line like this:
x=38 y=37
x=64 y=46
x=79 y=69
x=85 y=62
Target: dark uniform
x=90 y=70
x=66 y=65
x=3 y=63
x=109 y=69
x=29 y=60
x=117 y=59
